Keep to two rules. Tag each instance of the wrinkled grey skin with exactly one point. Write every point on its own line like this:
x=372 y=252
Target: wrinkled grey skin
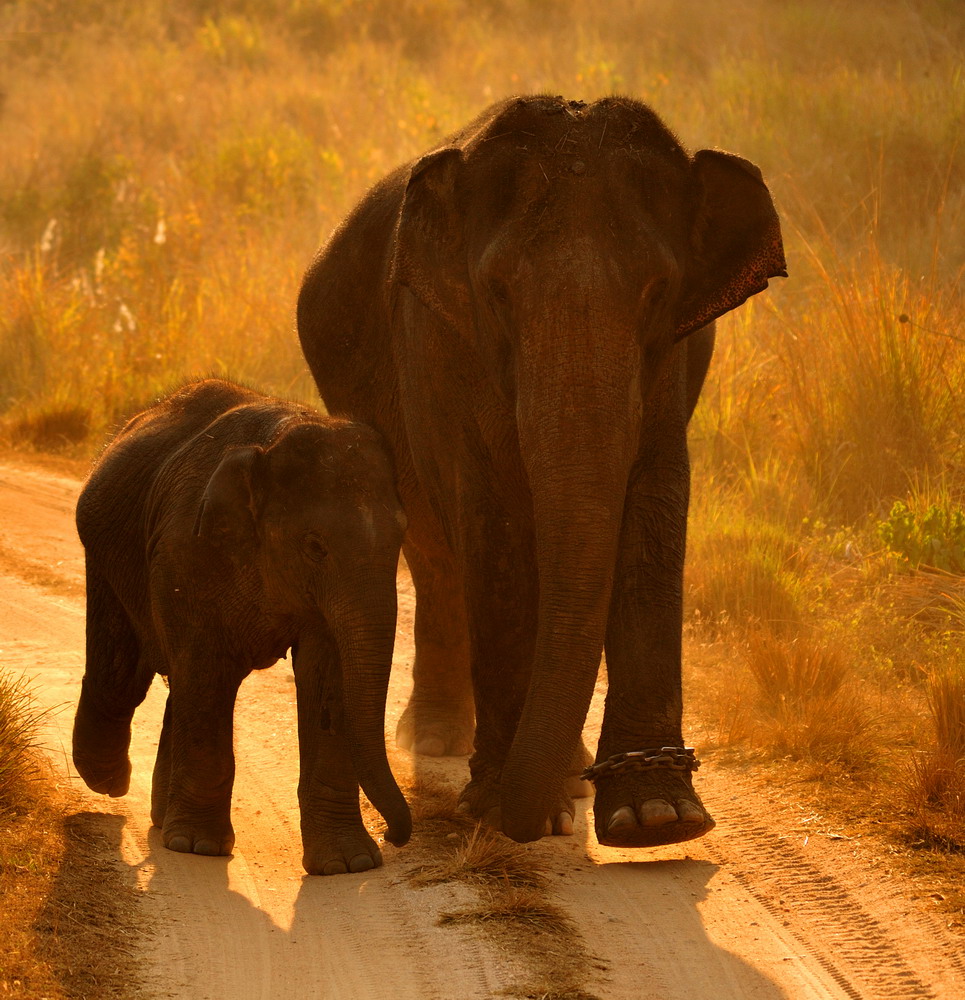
x=526 y=314
x=222 y=528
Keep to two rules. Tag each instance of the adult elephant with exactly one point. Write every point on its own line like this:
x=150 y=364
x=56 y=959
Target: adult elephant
x=526 y=313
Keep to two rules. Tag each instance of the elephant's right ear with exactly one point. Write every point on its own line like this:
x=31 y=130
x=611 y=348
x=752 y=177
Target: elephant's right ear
x=229 y=507
x=430 y=251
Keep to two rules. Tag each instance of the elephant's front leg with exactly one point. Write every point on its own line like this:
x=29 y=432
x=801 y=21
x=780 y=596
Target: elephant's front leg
x=194 y=773
x=334 y=838
x=502 y=598
x=638 y=804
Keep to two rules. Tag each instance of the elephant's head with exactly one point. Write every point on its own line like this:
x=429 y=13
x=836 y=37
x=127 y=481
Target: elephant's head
x=315 y=517
x=571 y=249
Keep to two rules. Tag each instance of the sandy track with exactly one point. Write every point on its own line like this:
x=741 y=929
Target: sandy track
x=764 y=908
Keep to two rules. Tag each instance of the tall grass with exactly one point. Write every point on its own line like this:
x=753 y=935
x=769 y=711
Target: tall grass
x=156 y=220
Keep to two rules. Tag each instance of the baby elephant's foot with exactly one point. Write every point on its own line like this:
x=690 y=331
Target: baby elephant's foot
x=106 y=777
x=340 y=850
x=214 y=839
x=100 y=752
x=649 y=808
x=436 y=730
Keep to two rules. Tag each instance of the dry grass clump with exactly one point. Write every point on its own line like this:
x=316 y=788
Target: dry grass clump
x=809 y=706
x=19 y=751
x=745 y=576
x=937 y=779
x=67 y=911
x=68 y=927
x=790 y=673
x=482 y=857
x=527 y=908
x=433 y=800
x=513 y=909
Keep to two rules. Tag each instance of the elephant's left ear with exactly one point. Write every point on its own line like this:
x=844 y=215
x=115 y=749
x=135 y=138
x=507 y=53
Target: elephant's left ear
x=229 y=506
x=429 y=253
x=735 y=239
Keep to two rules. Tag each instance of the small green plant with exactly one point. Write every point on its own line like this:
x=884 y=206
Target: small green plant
x=934 y=537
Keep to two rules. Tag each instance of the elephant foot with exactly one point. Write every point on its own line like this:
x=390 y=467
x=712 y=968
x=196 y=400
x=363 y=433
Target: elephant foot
x=648 y=809
x=210 y=839
x=100 y=750
x=340 y=851
x=481 y=800
x=436 y=730
x=106 y=778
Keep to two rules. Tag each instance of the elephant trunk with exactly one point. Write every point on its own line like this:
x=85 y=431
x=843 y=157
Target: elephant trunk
x=365 y=642
x=579 y=422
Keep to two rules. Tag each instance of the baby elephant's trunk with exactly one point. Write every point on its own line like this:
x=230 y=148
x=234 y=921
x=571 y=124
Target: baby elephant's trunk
x=365 y=634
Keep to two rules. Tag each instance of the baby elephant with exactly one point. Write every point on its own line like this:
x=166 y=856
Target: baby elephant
x=223 y=528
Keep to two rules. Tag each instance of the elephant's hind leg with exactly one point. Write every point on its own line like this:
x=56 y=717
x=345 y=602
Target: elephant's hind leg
x=439 y=718
x=115 y=682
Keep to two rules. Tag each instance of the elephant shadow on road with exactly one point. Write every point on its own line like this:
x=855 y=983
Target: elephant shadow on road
x=666 y=921
x=221 y=931
x=87 y=927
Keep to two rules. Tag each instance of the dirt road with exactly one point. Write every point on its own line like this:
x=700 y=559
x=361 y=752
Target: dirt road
x=764 y=908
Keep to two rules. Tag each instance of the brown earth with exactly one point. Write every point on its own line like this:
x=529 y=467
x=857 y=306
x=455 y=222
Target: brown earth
x=766 y=907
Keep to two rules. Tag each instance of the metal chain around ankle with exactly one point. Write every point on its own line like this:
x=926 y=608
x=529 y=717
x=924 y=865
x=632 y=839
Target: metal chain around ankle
x=673 y=758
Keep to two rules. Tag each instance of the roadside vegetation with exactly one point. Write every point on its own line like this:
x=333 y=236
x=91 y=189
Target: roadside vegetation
x=167 y=171
x=66 y=930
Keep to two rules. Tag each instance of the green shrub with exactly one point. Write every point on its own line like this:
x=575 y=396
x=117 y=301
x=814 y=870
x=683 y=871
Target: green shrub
x=934 y=537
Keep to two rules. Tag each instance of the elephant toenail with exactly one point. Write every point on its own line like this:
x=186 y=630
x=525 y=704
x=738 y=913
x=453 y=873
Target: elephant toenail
x=181 y=844
x=657 y=812
x=564 y=825
x=361 y=863
x=622 y=819
x=689 y=813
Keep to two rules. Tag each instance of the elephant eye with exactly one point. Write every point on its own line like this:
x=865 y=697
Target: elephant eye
x=315 y=548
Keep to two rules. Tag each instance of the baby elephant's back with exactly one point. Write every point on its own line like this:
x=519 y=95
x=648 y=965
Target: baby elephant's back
x=116 y=491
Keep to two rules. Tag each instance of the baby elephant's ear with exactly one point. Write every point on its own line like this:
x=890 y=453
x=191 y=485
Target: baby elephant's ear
x=229 y=507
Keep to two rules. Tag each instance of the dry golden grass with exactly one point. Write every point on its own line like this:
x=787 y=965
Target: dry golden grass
x=936 y=782
x=19 y=750
x=483 y=857
x=513 y=909
x=68 y=930
x=67 y=924
x=527 y=908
